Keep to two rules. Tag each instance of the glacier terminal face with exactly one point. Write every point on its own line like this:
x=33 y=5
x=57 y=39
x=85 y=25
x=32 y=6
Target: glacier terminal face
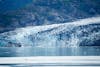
x=83 y=32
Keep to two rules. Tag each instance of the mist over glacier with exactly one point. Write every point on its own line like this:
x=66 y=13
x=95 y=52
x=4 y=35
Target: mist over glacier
x=83 y=32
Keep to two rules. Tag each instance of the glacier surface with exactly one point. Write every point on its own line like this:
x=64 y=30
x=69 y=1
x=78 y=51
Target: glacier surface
x=83 y=32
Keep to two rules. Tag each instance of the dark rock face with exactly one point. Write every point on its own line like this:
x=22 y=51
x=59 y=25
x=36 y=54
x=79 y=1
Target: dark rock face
x=43 y=12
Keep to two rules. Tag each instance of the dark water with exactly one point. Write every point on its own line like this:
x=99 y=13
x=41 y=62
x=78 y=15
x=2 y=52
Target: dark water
x=52 y=51
x=43 y=66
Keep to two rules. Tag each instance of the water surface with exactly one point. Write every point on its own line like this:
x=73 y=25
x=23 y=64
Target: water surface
x=49 y=51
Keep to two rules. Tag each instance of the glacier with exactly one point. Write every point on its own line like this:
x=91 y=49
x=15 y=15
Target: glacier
x=83 y=32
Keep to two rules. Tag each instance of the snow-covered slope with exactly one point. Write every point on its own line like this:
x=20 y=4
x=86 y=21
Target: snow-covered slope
x=81 y=32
